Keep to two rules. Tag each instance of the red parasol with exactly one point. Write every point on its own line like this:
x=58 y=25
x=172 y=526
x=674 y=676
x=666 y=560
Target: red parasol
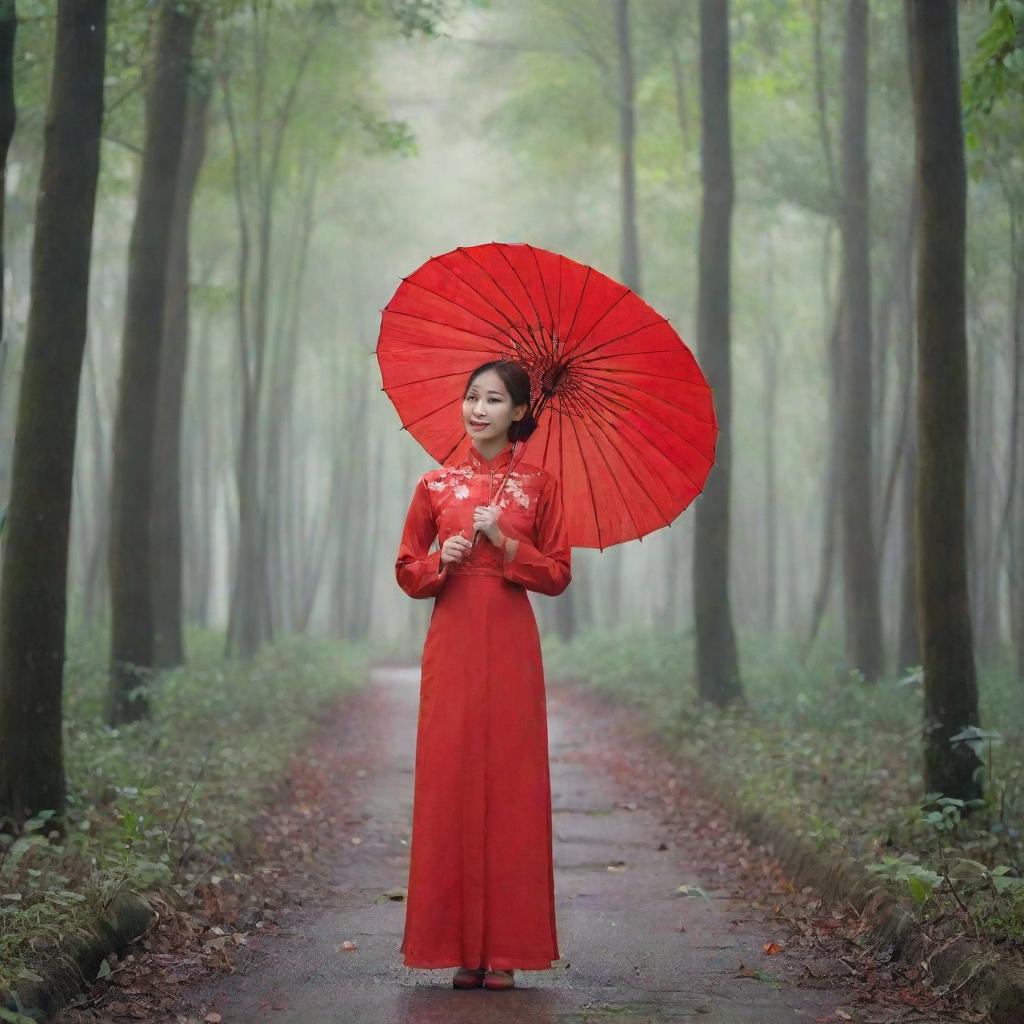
x=625 y=416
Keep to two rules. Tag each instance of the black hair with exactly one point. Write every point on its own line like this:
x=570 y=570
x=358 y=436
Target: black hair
x=517 y=381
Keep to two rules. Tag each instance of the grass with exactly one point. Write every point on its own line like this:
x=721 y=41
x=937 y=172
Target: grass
x=841 y=758
x=168 y=801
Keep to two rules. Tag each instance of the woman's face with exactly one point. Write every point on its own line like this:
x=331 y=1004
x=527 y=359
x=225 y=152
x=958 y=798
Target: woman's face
x=487 y=409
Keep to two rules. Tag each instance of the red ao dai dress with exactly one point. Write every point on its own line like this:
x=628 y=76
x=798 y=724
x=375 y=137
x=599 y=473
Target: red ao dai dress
x=481 y=879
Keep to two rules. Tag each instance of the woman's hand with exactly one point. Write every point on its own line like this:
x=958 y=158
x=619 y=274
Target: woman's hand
x=453 y=549
x=485 y=519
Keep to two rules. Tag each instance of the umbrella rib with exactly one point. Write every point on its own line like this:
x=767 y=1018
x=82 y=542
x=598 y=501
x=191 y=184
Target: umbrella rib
x=547 y=440
x=543 y=287
x=453 y=448
x=593 y=326
x=438 y=323
x=647 y=373
x=590 y=488
x=579 y=302
x=504 y=256
x=457 y=305
x=528 y=339
x=582 y=357
x=614 y=477
x=602 y=396
x=608 y=415
x=406 y=426
x=599 y=397
x=511 y=326
x=649 y=394
x=613 y=427
x=600 y=400
x=424 y=380
x=629 y=355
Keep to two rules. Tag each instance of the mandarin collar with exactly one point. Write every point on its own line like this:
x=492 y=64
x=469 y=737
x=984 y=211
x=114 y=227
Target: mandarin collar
x=479 y=463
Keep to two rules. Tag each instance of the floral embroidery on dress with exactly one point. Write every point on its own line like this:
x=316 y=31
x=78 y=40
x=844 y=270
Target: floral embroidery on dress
x=514 y=486
x=443 y=480
x=455 y=483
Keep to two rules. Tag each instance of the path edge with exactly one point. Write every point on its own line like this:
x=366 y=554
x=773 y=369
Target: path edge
x=993 y=986
x=128 y=917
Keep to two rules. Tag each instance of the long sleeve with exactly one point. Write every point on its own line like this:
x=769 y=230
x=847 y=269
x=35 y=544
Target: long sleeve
x=418 y=570
x=547 y=566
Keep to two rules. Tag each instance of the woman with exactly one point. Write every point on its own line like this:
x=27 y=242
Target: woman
x=481 y=881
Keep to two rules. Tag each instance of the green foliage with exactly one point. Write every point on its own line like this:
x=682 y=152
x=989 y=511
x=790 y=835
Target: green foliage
x=993 y=91
x=920 y=881
x=162 y=803
x=997 y=66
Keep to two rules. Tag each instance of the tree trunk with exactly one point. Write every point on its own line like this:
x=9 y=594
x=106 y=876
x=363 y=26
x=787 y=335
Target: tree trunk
x=200 y=488
x=33 y=592
x=944 y=622
x=863 y=619
x=718 y=675
x=95 y=589
x=630 y=261
x=286 y=502
x=983 y=571
x=770 y=348
x=250 y=623
x=830 y=496
x=132 y=654
x=8 y=119
x=169 y=637
x=908 y=645
x=630 y=243
x=1013 y=515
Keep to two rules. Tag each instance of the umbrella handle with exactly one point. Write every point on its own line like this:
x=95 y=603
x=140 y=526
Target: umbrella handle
x=517 y=448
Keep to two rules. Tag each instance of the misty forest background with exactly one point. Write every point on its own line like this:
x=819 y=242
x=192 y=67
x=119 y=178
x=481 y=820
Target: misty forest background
x=266 y=171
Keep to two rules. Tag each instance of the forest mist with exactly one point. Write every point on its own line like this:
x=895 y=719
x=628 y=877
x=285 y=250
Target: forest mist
x=504 y=125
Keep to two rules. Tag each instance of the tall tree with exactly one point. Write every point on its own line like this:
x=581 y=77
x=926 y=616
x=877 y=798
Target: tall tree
x=629 y=261
x=863 y=616
x=718 y=675
x=994 y=98
x=167 y=531
x=132 y=650
x=944 y=622
x=8 y=117
x=259 y=172
x=34 y=583
x=830 y=491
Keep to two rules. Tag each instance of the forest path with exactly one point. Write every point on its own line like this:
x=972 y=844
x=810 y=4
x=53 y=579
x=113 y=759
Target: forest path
x=635 y=948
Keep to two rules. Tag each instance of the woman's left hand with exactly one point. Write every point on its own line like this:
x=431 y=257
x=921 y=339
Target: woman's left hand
x=485 y=519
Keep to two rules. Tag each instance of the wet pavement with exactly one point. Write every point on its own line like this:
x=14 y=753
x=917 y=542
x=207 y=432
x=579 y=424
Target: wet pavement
x=635 y=947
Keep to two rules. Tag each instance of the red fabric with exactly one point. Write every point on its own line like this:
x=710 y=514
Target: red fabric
x=626 y=418
x=481 y=878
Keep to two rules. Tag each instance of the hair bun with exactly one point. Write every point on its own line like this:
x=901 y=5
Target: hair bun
x=520 y=430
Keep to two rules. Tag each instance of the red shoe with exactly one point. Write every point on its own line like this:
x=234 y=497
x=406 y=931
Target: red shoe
x=468 y=977
x=499 y=980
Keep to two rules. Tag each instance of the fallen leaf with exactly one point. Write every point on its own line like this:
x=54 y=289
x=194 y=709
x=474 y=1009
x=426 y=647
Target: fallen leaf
x=771 y=948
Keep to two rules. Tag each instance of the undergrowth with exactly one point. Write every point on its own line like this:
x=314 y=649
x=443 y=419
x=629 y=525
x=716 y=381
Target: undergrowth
x=162 y=803
x=839 y=759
